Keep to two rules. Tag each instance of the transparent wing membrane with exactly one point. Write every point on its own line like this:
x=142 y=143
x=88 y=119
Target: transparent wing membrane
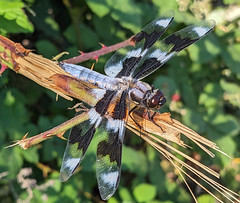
x=165 y=49
x=124 y=61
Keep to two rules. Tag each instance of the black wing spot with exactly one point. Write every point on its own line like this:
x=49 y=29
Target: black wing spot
x=129 y=65
x=75 y=134
x=121 y=107
x=179 y=43
x=150 y=39
x=148 y=65
x=84 y=140
x=102 y=105
x=113 y=145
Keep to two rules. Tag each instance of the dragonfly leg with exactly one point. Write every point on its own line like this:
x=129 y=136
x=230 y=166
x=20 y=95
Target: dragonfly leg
x=151 y=119
x=140 y=128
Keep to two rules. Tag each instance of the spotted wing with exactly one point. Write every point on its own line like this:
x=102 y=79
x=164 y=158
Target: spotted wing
x=165 y=49
x=82 y=134
x=111 y=129
x=124 y=61
x=109 y=149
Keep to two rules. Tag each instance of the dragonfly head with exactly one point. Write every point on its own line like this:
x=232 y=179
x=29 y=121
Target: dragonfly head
x=157 y=100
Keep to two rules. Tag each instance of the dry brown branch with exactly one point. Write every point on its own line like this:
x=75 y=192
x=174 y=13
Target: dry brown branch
x=95 y=54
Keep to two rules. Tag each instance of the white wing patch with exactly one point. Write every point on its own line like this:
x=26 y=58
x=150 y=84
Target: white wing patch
x=71 y=163
x=95 y=117
x=134 y=53
x=161 y=56
x=157 y=54
x=115 y=69
x=99 y=93
x=167 y=57
x=163 y=22
x=200 y=30
x=110 y=178
x=116 y=125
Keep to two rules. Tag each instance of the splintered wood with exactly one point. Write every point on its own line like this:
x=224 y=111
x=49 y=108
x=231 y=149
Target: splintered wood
x=32 y=66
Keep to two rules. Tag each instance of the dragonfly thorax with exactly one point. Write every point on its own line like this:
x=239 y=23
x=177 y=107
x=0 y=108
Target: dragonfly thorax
x=144 y=94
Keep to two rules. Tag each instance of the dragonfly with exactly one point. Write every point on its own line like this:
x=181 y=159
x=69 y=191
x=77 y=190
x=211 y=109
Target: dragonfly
x=112 y=98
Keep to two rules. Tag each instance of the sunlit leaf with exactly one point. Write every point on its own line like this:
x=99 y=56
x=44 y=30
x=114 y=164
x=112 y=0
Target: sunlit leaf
x=165 y=5
x=127 y=13
x=195 y=120
x=144 y=192
x=206 y=199
x=205 y=50
x=125 y=194
x=211 y=95
x=31 y=155
x=232 y=92
x=13 y=19
x=231 y=57
x=134 y=161
x=100 y=7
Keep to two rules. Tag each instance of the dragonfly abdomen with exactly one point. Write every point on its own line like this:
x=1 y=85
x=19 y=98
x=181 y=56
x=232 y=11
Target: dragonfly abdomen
x=90 y=76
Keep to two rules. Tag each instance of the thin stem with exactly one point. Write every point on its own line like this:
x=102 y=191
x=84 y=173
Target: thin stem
x=95 y=54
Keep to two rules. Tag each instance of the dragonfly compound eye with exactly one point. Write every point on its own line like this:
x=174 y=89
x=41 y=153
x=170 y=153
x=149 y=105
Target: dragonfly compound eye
x=157 y=100
x=162 y=101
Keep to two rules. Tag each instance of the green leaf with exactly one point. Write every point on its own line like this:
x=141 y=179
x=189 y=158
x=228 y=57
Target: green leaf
x=107 y=30
x=231 y=57
x=125 y=194
x=156 y=174
x=206 y=199
x=43 y=122
x=205 y=50
x=127 y=13
x=194 y=120
x=12 y=17
x=113 y=200
x=144 y=192
x=11 y=161
x=232 y=92
x=10 y=99
x=12 y=112
x=180 y=76
x=99 y=7
x=227 y=145
x=166 y=5
x=134 y=161
x=89 y=38
x=225 y=124
x=47 y=48
x=231 y=1
x=211 y=95
x=69 y=192
x=31 y=155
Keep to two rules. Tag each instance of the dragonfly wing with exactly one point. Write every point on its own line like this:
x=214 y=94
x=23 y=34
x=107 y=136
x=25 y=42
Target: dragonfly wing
x=109 y=149
x=81 y=136
x=78 y=142
x=165 y=49
x=124 y=61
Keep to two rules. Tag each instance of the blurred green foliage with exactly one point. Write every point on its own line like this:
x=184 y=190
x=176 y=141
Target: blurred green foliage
x=206 y=76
